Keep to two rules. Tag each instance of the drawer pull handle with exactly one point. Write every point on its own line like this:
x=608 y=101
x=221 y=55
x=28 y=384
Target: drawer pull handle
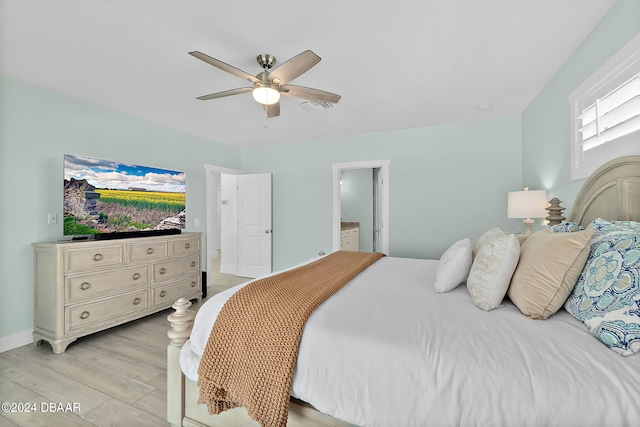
x=163 y=293
x=150 y=251
x=137 y=301
x=193 y=263
x=97 y=257
x=85 y=285
x=84 y=315
x=163 y=270
x=187 y=245
x=193 y=284
x=136 y=276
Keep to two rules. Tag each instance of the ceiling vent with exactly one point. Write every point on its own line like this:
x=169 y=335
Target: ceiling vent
x=315 y=105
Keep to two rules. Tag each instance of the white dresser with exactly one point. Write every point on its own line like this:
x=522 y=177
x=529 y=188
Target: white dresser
x=82 y=287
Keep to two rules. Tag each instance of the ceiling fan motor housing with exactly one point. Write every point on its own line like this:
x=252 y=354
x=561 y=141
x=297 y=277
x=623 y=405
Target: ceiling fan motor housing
x=266 y=61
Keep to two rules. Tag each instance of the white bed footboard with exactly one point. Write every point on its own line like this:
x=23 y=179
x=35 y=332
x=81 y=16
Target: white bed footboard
x=182 y=394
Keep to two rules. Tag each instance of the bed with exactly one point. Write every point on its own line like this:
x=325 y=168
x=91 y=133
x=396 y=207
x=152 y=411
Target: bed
x=388 y=350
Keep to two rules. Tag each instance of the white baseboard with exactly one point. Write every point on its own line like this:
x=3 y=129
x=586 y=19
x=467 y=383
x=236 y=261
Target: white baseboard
x=16 y=340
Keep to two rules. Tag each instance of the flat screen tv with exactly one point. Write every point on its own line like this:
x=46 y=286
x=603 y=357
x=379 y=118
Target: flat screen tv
x=105 y=199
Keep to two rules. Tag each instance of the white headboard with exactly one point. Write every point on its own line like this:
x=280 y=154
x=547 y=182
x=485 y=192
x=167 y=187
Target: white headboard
x=612 y=193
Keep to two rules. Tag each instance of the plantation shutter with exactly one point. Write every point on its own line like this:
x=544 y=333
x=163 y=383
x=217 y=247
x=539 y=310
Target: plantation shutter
x=611 y=116
x=605 y=112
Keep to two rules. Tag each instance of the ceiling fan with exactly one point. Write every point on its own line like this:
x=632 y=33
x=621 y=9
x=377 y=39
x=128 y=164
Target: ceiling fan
x=269 y=85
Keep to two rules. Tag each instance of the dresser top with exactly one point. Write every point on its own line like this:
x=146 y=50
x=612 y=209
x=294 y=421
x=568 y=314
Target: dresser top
x=107 y=242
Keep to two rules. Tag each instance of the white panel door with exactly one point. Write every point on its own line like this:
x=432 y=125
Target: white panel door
x=254 y=225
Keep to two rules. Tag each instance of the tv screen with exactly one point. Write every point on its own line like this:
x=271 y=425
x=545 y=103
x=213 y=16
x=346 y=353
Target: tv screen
x=109 y=199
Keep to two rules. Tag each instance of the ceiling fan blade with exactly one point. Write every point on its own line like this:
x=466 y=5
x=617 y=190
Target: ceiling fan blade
x=224 y=66
x=273 y=110
x=224 y=93
x=294 y=67
x=311 y=94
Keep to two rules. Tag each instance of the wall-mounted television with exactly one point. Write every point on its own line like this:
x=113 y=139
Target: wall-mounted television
x=105 y=199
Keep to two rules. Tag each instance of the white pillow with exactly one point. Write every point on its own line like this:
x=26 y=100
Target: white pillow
x=495 y=261
x=487 y=236
x=454 y=266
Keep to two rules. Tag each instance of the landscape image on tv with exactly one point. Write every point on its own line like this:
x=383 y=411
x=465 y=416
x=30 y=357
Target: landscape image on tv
x=105 y=197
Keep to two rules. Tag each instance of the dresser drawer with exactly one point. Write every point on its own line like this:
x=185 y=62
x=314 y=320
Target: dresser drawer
x=345 y=243
x=83 y=315
x=148 y=251
x=186 y=246
x=169 y=293
x=90 y=285
x=93 y=258
x=169 y=270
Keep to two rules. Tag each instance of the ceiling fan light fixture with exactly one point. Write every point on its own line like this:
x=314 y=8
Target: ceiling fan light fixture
x=265 y=94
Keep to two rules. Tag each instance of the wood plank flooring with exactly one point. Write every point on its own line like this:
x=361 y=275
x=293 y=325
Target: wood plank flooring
x=221 y=281
x=114 y=378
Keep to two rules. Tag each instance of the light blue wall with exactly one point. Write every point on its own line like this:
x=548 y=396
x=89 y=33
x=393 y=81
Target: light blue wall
x=446 y=182
x=546 y=128
x=37 y=127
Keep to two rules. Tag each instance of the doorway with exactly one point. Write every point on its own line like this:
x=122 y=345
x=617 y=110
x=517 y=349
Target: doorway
x=361 y=195
x=217 y=280
x=235 y=202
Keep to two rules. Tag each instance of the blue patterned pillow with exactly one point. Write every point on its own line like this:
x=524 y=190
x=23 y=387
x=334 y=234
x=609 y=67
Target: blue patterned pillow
x=631 y=224
x=564 y=227
x=601 y=226
x=607 y=295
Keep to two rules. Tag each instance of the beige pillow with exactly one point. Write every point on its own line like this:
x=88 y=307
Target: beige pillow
x=549 y=267
x=522 y=238
x=495 y=260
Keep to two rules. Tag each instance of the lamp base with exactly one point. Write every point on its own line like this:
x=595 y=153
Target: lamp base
x=528 y=223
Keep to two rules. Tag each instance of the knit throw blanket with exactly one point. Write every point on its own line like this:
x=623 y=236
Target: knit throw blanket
x=251 y=353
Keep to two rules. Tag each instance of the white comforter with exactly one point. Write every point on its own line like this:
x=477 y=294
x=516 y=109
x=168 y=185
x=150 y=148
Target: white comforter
x=386 y=350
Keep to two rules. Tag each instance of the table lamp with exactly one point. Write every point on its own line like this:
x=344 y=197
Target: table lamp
x=527 y=204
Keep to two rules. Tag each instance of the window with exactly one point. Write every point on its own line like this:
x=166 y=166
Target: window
x=605 y=113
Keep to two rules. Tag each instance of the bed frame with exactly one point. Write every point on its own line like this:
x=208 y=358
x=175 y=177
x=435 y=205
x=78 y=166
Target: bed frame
x=612 y=193
x=182 y=393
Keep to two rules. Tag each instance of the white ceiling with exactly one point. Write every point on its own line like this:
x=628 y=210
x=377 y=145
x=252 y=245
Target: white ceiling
x=401 y=64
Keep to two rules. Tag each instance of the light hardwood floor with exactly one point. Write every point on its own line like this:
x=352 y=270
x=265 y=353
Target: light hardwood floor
x=115 y=377
x=222 y=281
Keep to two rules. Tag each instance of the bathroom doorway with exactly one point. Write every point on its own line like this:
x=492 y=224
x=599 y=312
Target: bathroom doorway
x=360 y=199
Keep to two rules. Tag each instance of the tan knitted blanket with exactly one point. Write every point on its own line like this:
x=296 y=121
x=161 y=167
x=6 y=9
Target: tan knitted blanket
x=251 y=353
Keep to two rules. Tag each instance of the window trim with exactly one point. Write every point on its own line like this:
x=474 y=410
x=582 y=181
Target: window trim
x=619 y=68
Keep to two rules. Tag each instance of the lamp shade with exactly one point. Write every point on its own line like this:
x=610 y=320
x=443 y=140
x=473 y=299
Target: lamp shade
x=527 y=204
x=265 y=94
